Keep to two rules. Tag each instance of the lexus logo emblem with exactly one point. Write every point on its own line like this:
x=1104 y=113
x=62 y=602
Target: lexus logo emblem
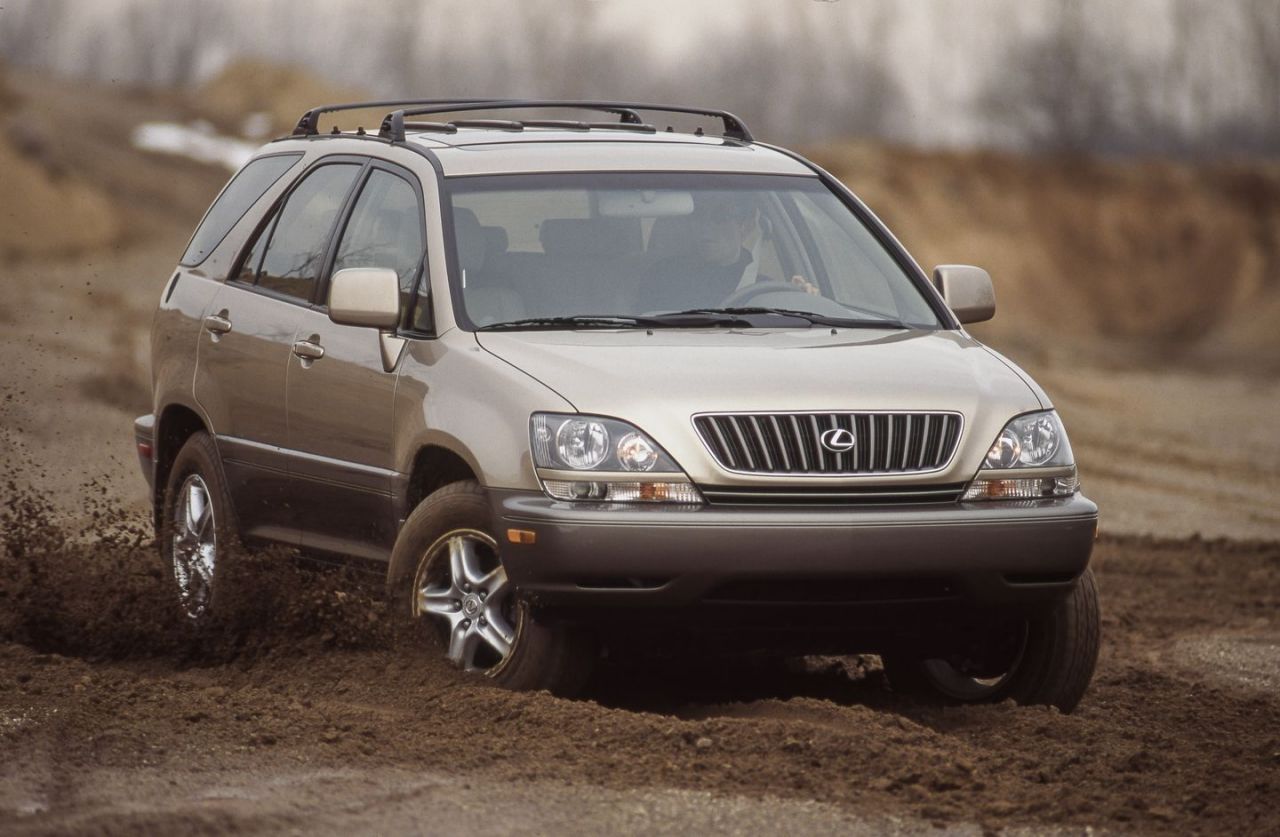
x=838 y=440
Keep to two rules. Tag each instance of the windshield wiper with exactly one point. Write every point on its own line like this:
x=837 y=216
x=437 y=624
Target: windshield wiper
x=576 y=321
x=676 y=319
x=700 y=318
x=692 y=318
x=810 y=316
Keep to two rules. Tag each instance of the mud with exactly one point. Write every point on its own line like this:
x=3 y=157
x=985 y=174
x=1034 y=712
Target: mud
x=311 y=672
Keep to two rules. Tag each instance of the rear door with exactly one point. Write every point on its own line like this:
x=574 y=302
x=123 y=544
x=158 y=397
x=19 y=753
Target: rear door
x=248 y=339
x=340 y=397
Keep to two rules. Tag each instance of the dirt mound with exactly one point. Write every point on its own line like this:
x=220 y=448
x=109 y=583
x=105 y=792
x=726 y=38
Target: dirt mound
x=282 y=93
x=57 y=212
x=1175 y=260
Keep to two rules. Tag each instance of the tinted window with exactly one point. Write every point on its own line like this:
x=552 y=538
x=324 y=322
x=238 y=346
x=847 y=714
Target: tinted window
x=241 y=193
x=385 y=229
x=295 y=253
x=862 y=275
x=249 y=267
x=636 y=244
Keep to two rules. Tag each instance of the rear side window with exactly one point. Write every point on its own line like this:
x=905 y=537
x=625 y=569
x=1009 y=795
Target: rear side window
x=249 y=184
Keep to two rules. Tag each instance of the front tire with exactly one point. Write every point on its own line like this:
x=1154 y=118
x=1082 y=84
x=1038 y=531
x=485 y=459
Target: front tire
x=1047 y=659
x=458 y=583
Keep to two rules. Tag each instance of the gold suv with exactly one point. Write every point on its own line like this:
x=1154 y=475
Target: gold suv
x=586 y=373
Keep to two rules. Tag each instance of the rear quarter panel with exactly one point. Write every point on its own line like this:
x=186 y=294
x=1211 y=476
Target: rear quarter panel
x=175 y=332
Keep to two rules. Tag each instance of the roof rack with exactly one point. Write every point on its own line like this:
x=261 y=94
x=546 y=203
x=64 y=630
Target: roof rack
x=308 y=124
x=393 y=125
x=517 y=126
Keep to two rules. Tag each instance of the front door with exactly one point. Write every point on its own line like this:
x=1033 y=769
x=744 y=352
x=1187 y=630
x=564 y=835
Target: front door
x=340 y=397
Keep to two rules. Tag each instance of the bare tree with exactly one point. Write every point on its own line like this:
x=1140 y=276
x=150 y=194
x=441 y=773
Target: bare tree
x=796 y=70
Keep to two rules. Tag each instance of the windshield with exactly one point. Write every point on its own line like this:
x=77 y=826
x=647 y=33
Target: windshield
x=647 y=249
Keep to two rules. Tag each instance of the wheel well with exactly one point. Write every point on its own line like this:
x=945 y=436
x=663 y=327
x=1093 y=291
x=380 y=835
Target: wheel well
x=433 y=468
x=176 y=425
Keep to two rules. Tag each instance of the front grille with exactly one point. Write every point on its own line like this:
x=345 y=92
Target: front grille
x=821 y=495
x=789 y=443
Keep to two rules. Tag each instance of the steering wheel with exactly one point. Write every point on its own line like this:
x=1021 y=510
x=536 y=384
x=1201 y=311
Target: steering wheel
x=750 y=292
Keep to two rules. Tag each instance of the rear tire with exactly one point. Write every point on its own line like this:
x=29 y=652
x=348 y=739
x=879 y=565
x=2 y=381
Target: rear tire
x=1053 y=655
x=198 y=529
x=457 y=582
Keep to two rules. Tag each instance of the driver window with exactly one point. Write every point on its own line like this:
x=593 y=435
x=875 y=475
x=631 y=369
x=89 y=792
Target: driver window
x=385 y=230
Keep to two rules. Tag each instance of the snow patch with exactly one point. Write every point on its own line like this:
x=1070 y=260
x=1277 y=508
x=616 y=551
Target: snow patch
x=196 y=141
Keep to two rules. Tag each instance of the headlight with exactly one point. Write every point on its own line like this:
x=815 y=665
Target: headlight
x=1036 y=440
x=582 y=444
x=619 y=463
x=636 y=453
x=594 y=443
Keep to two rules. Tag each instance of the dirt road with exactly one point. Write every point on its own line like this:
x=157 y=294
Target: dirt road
x=309 y=711
x=312 y=710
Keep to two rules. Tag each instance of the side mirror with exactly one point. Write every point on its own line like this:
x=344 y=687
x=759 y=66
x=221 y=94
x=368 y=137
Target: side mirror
x=967 y=291
x=365 y=296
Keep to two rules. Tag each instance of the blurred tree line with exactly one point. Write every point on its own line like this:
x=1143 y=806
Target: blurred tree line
x=1187 y=77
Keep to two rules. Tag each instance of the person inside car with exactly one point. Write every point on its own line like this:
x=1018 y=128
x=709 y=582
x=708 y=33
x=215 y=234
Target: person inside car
x=718 y=263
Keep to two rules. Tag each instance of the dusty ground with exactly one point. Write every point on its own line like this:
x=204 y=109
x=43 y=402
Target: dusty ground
x=311 y=710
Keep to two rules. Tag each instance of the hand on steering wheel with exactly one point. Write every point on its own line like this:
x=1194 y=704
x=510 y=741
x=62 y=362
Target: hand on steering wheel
x=805 y=285
x=798 y=284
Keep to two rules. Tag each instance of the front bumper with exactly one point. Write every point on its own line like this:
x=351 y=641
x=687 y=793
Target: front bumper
x=984 y=554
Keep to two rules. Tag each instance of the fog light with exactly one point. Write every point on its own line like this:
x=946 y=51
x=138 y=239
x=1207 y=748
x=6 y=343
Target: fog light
x=588 y=490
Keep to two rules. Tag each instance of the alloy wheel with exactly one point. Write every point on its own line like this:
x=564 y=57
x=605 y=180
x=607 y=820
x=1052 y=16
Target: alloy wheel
x=464 y=588
x=194 y=546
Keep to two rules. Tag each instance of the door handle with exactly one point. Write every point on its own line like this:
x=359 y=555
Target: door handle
x=217 y=323
x=308 y=350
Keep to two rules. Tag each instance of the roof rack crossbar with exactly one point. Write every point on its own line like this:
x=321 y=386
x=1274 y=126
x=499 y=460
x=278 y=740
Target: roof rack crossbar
x=565 y=124
x=442 y=127
x=308 y=123
x=626 y=113
x=496 y=124
x=639 y=127
x=514 y=125
x=393 y=123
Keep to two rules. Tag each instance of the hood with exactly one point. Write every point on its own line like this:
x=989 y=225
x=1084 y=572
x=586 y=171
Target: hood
x=659 y=381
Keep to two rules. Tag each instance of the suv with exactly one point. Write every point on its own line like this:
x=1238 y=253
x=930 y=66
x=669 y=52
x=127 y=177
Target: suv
x=585 y=384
